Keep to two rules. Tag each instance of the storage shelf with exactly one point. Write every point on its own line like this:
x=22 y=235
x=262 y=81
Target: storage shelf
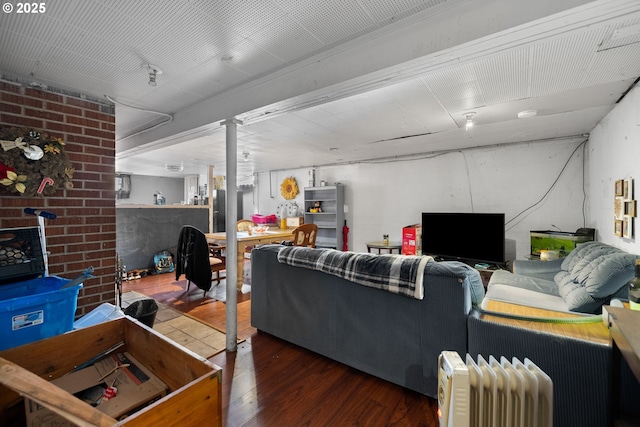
x=331 y=220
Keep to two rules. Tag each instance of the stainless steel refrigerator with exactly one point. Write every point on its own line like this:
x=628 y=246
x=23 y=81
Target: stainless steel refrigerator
x=219 y=210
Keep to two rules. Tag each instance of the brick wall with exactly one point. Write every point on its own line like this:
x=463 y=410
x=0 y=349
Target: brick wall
x=84 y=234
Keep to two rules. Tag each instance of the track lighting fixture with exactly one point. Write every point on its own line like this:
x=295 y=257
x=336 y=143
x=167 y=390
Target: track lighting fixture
x=527 y=113
x=469 y=116
x=154 y=71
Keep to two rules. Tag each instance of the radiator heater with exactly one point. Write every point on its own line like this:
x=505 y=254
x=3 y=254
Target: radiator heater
x=492 y=393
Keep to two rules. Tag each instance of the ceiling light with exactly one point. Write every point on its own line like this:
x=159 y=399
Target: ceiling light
x=527 y=113
x=629 y=31
x=469 y=116
x=174 y=167
x=245 y=155
x=154 y=71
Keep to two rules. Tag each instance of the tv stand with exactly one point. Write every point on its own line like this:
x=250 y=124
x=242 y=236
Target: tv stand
x=509 y=255
x=485 y=272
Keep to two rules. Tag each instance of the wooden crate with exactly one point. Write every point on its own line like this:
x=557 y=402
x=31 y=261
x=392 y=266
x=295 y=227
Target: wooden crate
x=194 y=396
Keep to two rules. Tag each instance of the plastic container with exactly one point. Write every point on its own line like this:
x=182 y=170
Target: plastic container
x=35 y=309
x=264 y=219
x=102 y=313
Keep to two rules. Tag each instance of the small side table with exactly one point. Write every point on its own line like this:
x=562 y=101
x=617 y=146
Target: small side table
x=380 y=245
x=625 y=343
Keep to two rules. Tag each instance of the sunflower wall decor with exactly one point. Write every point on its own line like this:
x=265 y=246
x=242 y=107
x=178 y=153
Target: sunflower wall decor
x=33 y=163
x=289 y=188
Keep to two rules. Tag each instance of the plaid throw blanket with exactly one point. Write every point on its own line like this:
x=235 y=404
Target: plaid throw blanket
x=397 y=274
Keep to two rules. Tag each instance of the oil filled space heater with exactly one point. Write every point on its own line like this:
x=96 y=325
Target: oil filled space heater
x=492 y=393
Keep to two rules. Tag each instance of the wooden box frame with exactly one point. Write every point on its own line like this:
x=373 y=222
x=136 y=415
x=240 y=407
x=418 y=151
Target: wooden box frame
x=617 y=231
x=195 y=384
x=627 y=227
x=627 y=189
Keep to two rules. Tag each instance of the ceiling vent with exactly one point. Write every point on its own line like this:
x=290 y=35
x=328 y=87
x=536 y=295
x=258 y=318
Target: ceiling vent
x=174 y=167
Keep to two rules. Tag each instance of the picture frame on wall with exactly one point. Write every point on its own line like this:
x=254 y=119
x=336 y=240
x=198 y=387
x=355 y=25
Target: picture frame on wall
x=618 y=208
x=617 y=227
x=619 y=188
x=627 y=227
x=627 y=189
x=630 y=208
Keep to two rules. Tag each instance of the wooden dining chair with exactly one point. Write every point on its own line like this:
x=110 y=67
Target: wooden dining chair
x=217 y=260
x=245 y=225
x=197 y=260
x=305 y=235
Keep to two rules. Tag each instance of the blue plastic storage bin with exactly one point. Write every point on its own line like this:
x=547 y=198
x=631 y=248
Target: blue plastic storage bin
x=36 y=309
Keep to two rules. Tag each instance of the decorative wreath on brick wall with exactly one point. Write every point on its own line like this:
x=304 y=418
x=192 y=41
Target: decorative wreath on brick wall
x=33 y=163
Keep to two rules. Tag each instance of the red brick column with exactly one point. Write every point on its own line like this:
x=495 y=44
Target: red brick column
x=84 y=234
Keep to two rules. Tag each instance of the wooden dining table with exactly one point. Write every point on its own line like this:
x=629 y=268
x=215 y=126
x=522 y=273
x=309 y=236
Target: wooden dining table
x=274 y=235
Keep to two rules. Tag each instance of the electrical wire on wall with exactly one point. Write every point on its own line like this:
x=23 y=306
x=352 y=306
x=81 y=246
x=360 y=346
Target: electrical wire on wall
x=584 y=189
x=466 y=167
x=157 y=125
x=544 y=196
x=435 y=154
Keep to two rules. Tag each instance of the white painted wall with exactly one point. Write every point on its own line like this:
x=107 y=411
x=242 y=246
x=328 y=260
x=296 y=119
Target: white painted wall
x=382 y=197
x=614 y=153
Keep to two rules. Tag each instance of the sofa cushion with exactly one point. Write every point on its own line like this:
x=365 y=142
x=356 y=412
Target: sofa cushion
x=504 y=277
x=460 y=271
x=578 y=299
x=524 y=290
x=608 y=274
x=592 y=273
x=523 y=296
x=575 y=255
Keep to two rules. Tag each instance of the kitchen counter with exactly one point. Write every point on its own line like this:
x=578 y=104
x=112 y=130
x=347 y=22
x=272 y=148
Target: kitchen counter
x=144 y=230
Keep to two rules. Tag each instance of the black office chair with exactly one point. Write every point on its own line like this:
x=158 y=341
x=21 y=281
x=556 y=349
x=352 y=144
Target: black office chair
x=197 y=260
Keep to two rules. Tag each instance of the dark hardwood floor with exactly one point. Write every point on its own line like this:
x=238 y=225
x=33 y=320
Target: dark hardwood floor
x=269 y=382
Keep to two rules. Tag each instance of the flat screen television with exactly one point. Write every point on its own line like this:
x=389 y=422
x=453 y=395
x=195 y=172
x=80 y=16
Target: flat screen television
x=466 y=237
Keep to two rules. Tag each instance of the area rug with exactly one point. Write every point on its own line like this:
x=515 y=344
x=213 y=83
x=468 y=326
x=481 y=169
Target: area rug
x=193 y=334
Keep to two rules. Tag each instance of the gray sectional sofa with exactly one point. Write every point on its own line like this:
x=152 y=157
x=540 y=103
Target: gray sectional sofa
x=393 y=337
x=589 y=277
x=398 y=338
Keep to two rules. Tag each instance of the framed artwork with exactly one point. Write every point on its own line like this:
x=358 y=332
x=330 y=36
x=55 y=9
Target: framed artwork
x=625 y=208
x=627 y=227
x=627 y=189
x=630 y=208
x=617 y=227
x=618 y=207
